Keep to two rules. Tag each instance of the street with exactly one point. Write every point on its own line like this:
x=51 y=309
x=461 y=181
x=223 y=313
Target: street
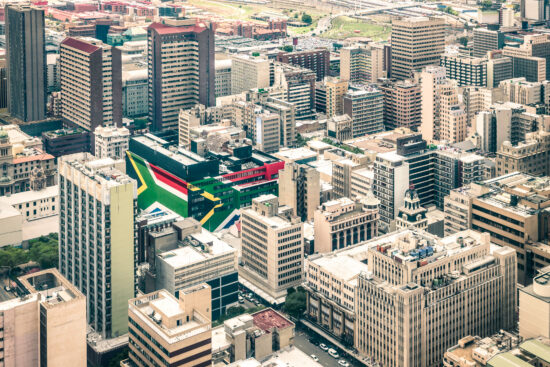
x=301 y=341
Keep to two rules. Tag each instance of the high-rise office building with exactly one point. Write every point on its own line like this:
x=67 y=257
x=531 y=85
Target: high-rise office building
x=26 y=59
x=467 y=71
x=402 y=104
x=366 y=109
x=532 y=58
x=170 y=331
x=46 y=326
x=91 y=83
x=415 y=43
x=499 y=68
x=486 y=40
x=266 y=132
x=317 y=60
x=391 y=180
x=298 y=86
x=97 y=241
x=429 y=292
x=300 y=189
x=534 y=10
x=455 y=169
x=335 y=91
x=181 y=69
x=433 y=81
x=362 y=63
x=223 y=77
x=272 y=248
x=249 y=72
x=454 y=122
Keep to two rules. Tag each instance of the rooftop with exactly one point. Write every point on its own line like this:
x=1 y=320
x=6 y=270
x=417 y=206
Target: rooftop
x=268 y=319
x=196 y=248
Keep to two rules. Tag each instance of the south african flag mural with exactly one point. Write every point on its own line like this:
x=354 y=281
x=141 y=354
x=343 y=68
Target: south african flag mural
x=214 y=201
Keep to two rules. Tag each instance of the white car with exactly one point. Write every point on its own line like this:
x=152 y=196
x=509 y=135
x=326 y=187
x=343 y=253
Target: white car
x=314 y=357
x=323 y=347
x=343 y=363
x=333 y=353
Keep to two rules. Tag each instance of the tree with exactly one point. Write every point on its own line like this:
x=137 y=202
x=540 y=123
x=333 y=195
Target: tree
x=11 y=257
x=288 y=48
x=140 y=123
x=295 y=303
x=463 y=41
x=306 y=18
x=44 y=251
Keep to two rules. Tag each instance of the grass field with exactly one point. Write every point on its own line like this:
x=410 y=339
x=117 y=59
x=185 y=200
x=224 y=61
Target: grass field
x=244 y=12
x=344 y=27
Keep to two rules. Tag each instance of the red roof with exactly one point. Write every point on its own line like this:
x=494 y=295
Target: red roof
x=80 y=45
x=268 y=319
x=168 y=29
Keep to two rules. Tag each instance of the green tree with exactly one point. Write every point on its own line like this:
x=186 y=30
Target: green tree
x=288 y=48
x=486 y=4
x=11 y=257
x=463 y=41
x=295 y=302
x=306 y=18
x=140 y=123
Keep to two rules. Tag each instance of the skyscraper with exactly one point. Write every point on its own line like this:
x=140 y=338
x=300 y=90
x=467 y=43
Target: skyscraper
x=415 y=43
x=486 y=40
x=91 y=83
x=97 y=237
x=181 y=69
x=366 y=109
x=26 y=62
x=402 y=104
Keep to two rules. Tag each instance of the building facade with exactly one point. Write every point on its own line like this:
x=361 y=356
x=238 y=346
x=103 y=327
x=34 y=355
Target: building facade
x=419 y=282
x=97 y=241
x=366 y=109
x=26 y=60
x=166 y=331
x=317 y=60
x=300 y=189
x=91 y=83
x=272 y=243
x=416 y=42
x=174 y=84
x=402 y=104
x=111 y=142
x=343 y=222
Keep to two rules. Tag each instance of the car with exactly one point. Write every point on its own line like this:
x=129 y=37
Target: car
x=343 y=363
x=323 y=347
x=333 y=353
x=314 y=357
x=7 y=288
x=241 y=300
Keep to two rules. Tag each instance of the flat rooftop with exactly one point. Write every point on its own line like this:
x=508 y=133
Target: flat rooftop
x=198 y=247
x=268 y=319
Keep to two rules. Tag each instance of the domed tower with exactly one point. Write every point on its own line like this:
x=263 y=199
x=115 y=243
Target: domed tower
x=412 y=214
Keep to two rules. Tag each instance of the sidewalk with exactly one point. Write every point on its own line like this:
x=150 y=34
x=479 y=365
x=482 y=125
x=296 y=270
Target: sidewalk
x=357 y=357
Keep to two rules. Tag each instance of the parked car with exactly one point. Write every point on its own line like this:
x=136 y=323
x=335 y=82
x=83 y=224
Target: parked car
x=333 y=353
x=314 y=357
x=343 y=363
x=241 y=299
x=323 y=347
